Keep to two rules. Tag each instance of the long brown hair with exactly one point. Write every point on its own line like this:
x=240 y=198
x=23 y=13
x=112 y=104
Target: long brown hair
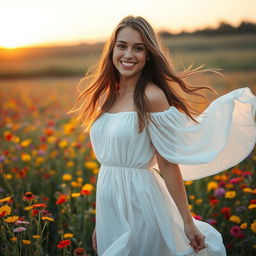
x=102 y=80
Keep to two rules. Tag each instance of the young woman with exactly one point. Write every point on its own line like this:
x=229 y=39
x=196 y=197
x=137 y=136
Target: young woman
x=138 y=120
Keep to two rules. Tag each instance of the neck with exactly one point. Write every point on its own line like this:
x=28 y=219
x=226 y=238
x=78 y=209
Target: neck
x=128 y=84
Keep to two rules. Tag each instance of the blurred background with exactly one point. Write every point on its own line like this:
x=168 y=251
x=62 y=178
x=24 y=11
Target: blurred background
x=47 y=166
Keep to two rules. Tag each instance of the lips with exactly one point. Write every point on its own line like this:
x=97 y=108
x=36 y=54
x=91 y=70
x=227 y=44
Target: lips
x=127 y=65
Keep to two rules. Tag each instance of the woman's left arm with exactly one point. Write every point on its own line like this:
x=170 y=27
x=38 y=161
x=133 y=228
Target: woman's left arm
x=174 y=182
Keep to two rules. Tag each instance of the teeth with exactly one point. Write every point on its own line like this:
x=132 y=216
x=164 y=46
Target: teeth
x=128 y=64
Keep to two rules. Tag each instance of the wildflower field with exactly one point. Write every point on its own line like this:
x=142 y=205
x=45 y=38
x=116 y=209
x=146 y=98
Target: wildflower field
x=48 y=175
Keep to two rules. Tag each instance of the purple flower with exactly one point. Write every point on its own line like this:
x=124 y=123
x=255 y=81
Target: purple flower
x=2 y=158
x=19 y=229
x=240 y=208
x=219 y=192
x=211 y=221
x=41 y=152
x=21 y=222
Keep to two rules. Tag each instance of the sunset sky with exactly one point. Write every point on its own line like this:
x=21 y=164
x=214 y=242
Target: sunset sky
x=42 y=22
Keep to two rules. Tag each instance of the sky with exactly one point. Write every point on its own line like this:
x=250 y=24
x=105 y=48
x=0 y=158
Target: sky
x=46 y=22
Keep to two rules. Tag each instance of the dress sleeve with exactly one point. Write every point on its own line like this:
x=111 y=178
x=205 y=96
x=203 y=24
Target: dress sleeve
x=224 y=136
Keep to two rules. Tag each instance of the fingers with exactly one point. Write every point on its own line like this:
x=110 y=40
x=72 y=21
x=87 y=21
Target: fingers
x=197 y=243
x=94 y=242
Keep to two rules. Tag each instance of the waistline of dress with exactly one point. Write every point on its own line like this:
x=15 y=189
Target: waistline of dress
x=123 y=167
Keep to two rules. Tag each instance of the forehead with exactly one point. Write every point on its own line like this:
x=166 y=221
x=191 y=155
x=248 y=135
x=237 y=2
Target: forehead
x=129 y=35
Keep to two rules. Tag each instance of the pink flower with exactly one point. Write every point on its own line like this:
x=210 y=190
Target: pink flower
x=236 y=232
x=19 y=229
x=198 y=217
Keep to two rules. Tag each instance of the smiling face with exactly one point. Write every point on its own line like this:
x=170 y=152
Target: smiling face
x=129 y=53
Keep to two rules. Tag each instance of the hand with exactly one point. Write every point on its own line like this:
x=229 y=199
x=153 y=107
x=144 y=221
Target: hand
x=94 y=241
x=196 y=238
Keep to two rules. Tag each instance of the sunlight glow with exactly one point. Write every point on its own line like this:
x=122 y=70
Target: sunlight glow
x=29 y=22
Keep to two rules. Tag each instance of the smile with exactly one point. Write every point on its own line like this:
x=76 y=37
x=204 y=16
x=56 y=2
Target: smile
x=127 y=64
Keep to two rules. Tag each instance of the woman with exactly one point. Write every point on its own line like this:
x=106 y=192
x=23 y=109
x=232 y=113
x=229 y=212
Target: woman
x=138 y=121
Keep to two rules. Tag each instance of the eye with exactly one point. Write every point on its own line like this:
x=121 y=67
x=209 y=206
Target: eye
x=120 y=46
x=139 y=48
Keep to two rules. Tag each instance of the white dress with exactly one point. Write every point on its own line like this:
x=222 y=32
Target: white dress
x=135 y=213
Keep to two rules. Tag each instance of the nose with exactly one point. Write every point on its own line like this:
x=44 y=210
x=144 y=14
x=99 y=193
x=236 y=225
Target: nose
x=128 y=53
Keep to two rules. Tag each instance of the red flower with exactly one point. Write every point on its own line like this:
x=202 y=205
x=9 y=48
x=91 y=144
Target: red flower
x=63 y=243
x=253 y=201
x=38 y=205
x=62 y=199
x=237 y=171
x=85 y=192
x=80 y=252
x=198 y=217
x=28 y=196
x=214 y=202
x=226 y=212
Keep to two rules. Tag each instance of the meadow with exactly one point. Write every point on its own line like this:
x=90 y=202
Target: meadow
x=48 y=171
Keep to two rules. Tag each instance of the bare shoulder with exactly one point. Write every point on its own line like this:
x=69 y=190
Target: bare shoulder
x=156 y=98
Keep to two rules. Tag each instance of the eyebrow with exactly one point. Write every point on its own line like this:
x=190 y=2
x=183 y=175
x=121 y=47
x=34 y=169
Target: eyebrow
x=121 y=41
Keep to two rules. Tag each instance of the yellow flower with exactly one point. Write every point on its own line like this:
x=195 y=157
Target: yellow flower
x=75 y=194
x=36 y=236
x=14 y=238
x=199 y=201
x=70 y=164
x=66 y=177
x=75 y=184
x=90 y=165
x=63 y=144
x=253 y=227
x=229 y=185
x=243 y=225
x=79 y=173
x=68 y=235
x=51 y=140
x=5 y=208
x=25 y=157
x=26 y=242
x=39 y=160
x=25 y=143
x=8 y=176
x=190 y=206
x=93 y=211
x=28 y=208
x=212 y=185
x=188 y=182
x=247 y=190
x=88 y=187
x=6 y=199
x=11 y=219
x=252 y=206
x=80 y=180
x=47 y=218
x=192 y=197
x=95 y=171
x=235 y=219
x=230 y=194
x=68 y=128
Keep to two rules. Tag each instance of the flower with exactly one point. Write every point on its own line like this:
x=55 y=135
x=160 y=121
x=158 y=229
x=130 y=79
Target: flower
x=26 y=242
x=36 y=236
x=25 y=157
x=63 y=243
x=28 y=196
x=87 y=189
x=253 y=227
x=5 y=210
x=235 y=219
x=230 y=194
x=90 y=165
x=6 y=199
x=236 y=232
x=211 y=221
x=14 y=238
x=19 y=229
x=219 y=192
x=75 y=194
x=47 y=218
x=62 y=199
x=38 y=205
x=212 y=185
x=243 y=225
x=226 y=212
x=66 y=177
x=80 y=252
x=68 y=235
x=11 y=219
x=247 y=190
x=252 y=206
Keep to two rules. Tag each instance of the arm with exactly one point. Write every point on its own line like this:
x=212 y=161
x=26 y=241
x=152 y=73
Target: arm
x=172 y=175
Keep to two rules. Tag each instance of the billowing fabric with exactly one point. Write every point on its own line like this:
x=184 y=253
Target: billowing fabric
x=135 y=213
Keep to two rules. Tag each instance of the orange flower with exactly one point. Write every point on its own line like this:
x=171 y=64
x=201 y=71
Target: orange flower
x=28 y=196
x=62 y=199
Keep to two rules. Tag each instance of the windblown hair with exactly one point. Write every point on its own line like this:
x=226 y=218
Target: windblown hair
x=102 y=81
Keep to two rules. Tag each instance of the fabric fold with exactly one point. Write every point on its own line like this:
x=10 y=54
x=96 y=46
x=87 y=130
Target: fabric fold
x=224 y=136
